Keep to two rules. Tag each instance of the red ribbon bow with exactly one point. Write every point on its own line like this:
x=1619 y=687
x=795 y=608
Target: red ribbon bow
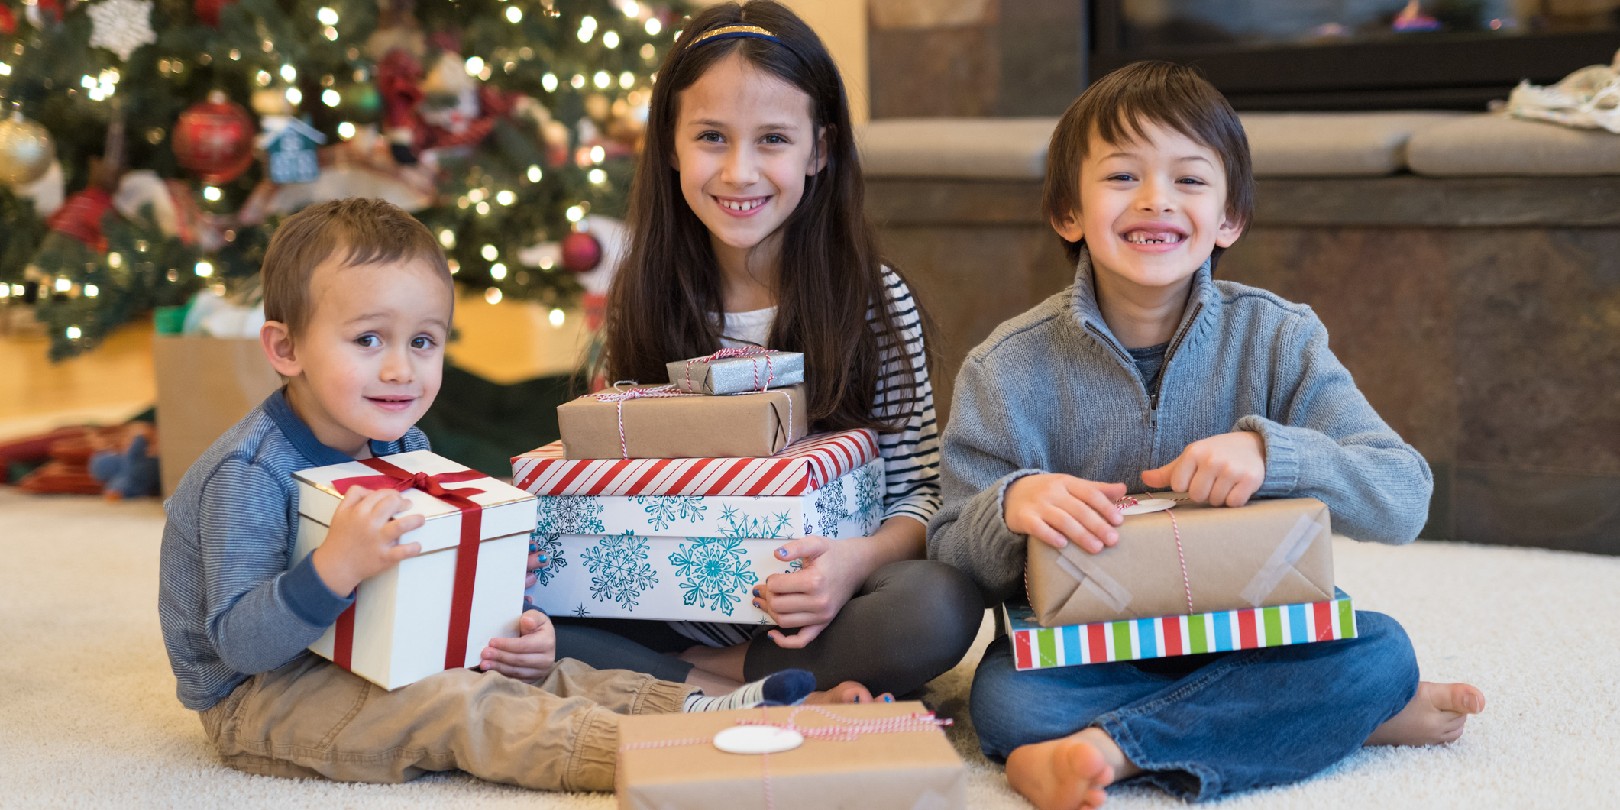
x=461 y=595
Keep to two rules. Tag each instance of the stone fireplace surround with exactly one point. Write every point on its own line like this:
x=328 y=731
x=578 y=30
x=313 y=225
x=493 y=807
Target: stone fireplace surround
x=1467 y=267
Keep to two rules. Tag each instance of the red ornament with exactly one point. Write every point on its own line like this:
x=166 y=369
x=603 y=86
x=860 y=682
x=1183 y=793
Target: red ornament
x=208 y=11
x=580 y=252
x=80 y=217
x=214 y=138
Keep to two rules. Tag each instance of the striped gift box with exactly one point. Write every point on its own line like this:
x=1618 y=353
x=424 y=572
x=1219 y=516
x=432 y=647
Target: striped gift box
x=802 y=467
x=1037 y=647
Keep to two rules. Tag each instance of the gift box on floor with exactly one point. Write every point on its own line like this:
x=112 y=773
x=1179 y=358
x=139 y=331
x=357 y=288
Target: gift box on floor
x=661 y=422
x=731 y=371
x=690 y=538
x=1191 y=558
x=855 y=756
x=438 y=610
x=1037 y=647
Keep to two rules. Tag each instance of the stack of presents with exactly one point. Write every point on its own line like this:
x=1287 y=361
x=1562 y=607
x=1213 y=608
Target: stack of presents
x=667 y=502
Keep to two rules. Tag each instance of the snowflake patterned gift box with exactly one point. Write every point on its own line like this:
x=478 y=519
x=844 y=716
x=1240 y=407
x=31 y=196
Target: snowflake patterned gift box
x=1037 y=647
x=438 y=610
x=733 y=371
x=696 y=552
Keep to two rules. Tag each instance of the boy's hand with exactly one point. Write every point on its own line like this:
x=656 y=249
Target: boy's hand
x=530 y=656
x=810 y=597
x=1224 y=470
x=364 y=539
x=1059 y=509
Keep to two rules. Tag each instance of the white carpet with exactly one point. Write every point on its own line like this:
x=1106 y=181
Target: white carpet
x=88 y=715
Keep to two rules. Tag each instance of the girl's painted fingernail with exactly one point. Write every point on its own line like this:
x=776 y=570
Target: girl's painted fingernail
x=782 y=553
x=888 y=698
x=756 y=592
x=543 y=559
x=756 y=603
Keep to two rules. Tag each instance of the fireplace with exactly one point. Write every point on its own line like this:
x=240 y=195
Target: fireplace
x=1359 y=54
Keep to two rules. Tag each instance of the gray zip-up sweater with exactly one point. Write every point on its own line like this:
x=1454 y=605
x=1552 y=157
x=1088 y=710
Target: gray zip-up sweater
x=1053 y=390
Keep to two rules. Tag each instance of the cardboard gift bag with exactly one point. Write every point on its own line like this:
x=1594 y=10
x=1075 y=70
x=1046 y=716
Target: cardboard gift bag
x=437 y=610
x=661 y=422
x=204 y=386
x=1191 y=558
x=871 y=755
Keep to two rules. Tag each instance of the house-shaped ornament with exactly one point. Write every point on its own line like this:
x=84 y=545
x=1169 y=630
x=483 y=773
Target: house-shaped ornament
x=289 y=148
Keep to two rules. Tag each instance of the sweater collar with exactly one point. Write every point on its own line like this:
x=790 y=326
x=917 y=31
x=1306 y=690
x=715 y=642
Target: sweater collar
x=1088 y=311
x=303 y=439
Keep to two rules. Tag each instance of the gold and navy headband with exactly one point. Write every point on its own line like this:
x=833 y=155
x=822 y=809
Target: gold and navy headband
x=733 y=32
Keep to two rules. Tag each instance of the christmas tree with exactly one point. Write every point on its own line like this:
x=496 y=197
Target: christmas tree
x=149 y=147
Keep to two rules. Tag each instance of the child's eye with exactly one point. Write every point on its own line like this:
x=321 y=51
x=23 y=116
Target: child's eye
x=775 y=139
x=711 y=136
x=368 y=341
x=423 y=342
x=1192 y=181
x=1120 y=177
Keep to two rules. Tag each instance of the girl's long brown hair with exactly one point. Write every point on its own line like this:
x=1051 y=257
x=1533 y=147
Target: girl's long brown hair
x=666 y=300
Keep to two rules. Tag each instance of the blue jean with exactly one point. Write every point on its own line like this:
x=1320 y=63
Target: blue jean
x=1209 y=725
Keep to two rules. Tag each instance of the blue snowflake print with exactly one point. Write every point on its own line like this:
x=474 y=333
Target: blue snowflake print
x=664 y=510
x=714 y=572
x=559 y=515
x=868 y=493
x=735 y=524
x=830 y=507
x=620 y=571
x=580 y=612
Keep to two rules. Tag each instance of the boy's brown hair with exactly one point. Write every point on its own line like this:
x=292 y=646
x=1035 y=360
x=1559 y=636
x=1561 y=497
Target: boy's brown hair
x=363 y=231
x=1120 y=105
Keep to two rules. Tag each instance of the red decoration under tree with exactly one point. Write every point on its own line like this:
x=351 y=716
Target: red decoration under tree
x=580 y=252
x=214 y=138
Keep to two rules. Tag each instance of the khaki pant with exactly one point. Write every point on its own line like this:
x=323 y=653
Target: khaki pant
x=313 y=719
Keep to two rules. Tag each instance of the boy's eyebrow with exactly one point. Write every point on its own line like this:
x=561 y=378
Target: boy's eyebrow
x=382 y=314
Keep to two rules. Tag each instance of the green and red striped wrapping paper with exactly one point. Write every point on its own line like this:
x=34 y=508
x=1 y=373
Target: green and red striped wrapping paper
x=1037 y=647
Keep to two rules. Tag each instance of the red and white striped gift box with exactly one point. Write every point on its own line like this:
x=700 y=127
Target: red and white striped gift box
x=802 y=467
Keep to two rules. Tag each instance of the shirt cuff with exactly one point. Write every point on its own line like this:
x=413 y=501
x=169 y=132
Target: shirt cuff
x=309 y=598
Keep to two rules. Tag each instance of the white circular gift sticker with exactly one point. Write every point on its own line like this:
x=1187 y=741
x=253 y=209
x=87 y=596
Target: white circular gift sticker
x=757 y=740
x=1147 y=505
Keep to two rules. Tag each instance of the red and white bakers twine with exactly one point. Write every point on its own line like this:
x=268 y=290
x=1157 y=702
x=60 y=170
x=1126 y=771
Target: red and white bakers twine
x=739 y=351
x=1175 y=528
x=844 y=729
x=619 y=395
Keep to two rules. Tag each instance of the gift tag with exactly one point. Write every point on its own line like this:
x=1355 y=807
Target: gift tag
x=1147 y=505
x=757 y=740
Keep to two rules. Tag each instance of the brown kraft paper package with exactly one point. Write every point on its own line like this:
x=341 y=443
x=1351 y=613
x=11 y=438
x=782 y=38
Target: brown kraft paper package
x=1269 y=552
x=752 y=425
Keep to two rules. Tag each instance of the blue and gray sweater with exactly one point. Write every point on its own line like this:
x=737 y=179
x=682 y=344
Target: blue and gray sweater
x=1053 y=390
x=229 y=605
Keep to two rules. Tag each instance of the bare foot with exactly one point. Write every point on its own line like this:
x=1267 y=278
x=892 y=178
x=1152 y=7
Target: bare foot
x=1435 y=715
x=1065 y=774
x=846 y=692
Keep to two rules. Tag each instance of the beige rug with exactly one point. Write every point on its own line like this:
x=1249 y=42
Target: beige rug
x=88 y=716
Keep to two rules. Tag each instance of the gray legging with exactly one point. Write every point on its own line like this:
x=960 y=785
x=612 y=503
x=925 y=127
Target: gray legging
x=910 y=622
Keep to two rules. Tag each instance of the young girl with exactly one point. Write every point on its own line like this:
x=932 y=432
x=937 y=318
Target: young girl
x=747 y=228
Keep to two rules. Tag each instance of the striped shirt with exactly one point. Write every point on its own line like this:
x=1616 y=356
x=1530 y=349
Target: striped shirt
x=230 y=605
x=910 y=455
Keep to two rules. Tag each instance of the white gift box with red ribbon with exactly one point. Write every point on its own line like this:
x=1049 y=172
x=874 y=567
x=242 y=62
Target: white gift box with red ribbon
x=438 y=610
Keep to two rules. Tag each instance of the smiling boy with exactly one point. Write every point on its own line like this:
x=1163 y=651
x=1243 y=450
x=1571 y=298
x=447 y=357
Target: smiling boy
x=1148 y=373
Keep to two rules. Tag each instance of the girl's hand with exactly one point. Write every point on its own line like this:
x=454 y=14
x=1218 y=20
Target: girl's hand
x=530 y=656
x=1059 y=509
x=1224 y=470
x=811 y=597
x=537 y=561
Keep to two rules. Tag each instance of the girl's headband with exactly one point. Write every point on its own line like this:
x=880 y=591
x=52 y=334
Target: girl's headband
x=733 y=32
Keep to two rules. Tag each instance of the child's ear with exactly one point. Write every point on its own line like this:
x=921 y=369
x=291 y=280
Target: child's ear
x=1228 y=233
x=818 y=158
x=279 y=350
x=1069 y=227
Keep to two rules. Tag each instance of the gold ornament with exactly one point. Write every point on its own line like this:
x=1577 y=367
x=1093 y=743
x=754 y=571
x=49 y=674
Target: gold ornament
x=26 y=150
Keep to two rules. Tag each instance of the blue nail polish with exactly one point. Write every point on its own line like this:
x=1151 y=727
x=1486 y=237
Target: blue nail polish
x=756 y=592
x=543 y=559
x=756 y=603
x=888 y=698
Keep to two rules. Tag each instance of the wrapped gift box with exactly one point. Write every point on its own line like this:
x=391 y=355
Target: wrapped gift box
x=1272 y=552
x=661 y=422
x=438 y=610
x=687 y=557
x=627 y=549
x=1037 y=647
x=732 y=371
x=867 y=755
